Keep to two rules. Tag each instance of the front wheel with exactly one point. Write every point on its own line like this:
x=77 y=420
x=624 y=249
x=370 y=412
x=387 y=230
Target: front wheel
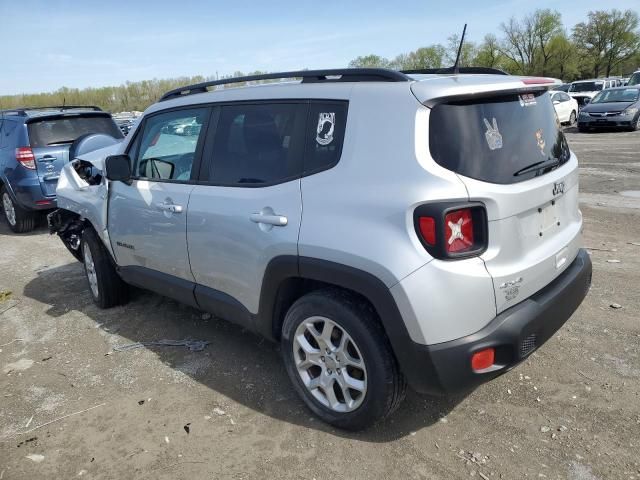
x=573 y=118
x=340 y=361
x=635 y=125
x=19 y=219
x=106 y=286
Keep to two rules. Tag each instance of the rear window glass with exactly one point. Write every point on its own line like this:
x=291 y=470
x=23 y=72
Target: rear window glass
x=498 y=139
x=56 y=131
x=586 y=87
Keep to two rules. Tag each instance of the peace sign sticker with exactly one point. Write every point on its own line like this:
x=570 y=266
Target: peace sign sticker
x=494 y=139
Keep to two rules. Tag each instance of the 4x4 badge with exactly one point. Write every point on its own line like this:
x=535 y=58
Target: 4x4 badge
x=324 y=131
x=494 y=139
x=558 y=188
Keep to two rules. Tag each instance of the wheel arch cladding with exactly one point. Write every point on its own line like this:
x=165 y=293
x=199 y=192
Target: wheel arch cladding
x=299 y=275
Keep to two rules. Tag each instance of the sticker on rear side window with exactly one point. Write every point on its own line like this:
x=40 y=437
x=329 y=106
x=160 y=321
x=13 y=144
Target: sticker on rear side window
x=326 y=125
x=527 y=100
x=494 y=139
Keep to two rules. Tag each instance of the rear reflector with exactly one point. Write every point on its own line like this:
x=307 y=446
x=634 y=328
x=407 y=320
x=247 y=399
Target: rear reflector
x=43 y=202
x=25 y=156
x=483 y=359
x=428 y=229
x=458 y=231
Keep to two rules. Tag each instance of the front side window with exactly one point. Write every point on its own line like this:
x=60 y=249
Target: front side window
x=258 y=144
x=167 y=147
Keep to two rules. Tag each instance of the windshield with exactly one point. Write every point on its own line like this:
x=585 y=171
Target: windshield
x=635 y=79
x=586 y=87
x=60 y=130
x=622 y=95
x=496 y=139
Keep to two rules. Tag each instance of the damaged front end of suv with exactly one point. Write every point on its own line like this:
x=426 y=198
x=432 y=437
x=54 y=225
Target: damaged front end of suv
x=82 y=197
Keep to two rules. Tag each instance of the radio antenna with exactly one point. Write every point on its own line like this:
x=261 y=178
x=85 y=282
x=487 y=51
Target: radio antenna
x=456 y=71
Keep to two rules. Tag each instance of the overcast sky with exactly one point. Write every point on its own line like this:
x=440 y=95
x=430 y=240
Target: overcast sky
x=48 y=44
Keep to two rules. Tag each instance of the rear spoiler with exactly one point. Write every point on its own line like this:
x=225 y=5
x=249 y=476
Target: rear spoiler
x=509 y=85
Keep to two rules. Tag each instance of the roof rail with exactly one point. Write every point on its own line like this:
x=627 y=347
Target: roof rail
x=23 y=110
x=307 y=76
x=461 y=70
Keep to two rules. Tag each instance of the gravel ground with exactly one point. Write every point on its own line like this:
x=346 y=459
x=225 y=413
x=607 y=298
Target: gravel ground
x=571 y=411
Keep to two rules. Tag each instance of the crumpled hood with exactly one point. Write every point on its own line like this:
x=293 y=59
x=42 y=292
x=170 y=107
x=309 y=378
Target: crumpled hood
x=96 y=157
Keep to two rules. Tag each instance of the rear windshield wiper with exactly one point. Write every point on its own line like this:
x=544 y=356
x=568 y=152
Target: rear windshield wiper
x=551 y=163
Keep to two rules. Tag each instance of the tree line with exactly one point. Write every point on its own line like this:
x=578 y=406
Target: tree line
x=606 y=44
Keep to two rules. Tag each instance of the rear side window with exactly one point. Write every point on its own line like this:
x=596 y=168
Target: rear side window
x=498 y=139
x=258 y=144
x=57 y=131
x=325 y=135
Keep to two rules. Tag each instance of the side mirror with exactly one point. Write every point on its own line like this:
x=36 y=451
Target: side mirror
x=118 y=168
x=587 y=100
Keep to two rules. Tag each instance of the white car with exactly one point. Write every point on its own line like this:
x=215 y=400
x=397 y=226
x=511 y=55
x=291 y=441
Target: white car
x=566 y=107
x=584 y=90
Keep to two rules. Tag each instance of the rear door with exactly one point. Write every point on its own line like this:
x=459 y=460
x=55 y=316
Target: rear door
x=511 y=155
x=51 y=137
x=148 y=218
x=249 y=209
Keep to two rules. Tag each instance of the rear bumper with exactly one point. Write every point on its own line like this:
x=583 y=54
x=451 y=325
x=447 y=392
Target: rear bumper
x=515 y=334
x=27 y=193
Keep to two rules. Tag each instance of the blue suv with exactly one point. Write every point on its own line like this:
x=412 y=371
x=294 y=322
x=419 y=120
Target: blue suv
x=34 y=145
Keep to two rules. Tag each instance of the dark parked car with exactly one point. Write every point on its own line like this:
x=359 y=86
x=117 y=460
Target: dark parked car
x=34 y=146
x=614 y=107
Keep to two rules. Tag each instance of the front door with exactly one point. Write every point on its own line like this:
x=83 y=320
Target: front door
x=148 y=218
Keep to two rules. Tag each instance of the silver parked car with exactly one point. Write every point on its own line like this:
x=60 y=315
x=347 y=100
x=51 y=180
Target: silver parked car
x=386 y=228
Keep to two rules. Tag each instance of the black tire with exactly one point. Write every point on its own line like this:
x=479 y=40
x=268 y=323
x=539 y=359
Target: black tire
x=111 y=290
x=635 y=125
x=573 y=118
x=385 y=385
x=22 y=220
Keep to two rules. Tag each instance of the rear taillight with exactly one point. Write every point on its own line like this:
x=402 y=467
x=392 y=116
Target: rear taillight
x=452 y=230
x=25 y=156
x=428 y=230
x=458 y=231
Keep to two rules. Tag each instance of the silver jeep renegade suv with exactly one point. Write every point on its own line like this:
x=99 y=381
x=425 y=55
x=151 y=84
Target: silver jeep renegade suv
x=387 y=228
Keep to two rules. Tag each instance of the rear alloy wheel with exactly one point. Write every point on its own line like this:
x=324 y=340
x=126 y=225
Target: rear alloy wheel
x=19 y=219
x=339 y=359
x=573 y=118
x=330 y=364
